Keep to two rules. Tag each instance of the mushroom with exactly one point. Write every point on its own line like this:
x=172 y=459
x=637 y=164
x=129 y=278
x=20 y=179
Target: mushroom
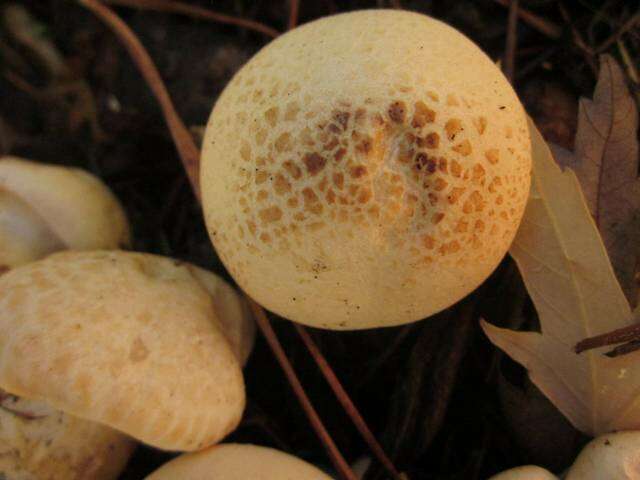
x=366 y=169
x=45 y=208
x=527 y=472
x=612 y=456
x=237 y=462
x=38 y=442
x=132 y=343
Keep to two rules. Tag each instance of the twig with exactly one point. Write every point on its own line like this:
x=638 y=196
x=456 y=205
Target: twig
x=512 y=41
x=586 y=50
x=265 y=327
x=189 y=153
x=626 y=26
x=196 y=12
x=621 y=335
x=294 y=11
x=544 y=26
x=347 y=403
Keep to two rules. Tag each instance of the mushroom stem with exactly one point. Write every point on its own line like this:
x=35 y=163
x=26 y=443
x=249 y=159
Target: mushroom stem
x=338 y=460
x=196 y=12
x=347 y=403
x=187 y=149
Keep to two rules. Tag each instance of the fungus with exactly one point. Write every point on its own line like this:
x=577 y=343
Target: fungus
x=611 y=456
x=376 y=185
x=615 y=455
x=132 y=342
x=527 y=472
x=238 y=462
x=45 y=208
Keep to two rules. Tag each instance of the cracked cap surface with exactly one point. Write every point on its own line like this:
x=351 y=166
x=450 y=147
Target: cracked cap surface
x=367 y=169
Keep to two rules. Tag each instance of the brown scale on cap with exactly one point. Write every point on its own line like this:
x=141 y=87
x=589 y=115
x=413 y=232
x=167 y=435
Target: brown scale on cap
x=369 y=167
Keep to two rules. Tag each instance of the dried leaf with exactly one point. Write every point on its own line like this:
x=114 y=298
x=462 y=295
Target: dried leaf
x=571 y=282
x=606 y=163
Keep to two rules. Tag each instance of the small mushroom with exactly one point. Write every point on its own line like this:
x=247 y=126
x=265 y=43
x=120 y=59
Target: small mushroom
x=45 y=208
x=366 y=169
x=527 y=472
x=38 y=442
x=612 y=456
x=237 y=462
x=129 y=341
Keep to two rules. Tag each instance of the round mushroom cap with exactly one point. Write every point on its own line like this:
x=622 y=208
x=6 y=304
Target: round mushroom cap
x=527 y=472
x=237 y=322
x=38 y=442
x=44 y=208
x=612 y=456
x=124 y=339
x=366 y=169
x=238 y=462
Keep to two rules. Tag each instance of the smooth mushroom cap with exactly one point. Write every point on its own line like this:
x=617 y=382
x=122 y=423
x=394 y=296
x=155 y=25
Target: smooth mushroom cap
x=612 y=456
x=238 y=462
x=38 y=442
x=232 y=310
x=366 y=169
x=527 y=472
x=124 y=339
x=67 y=208
x=24 y=236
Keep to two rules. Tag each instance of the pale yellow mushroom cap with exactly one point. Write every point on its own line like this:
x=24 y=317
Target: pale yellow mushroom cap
x=366 y=169
x=38 y=442
x=527 y=472
x=612 y=456
x=44 y=208
x=232 y=310
x=238 y=462
x=124 y=339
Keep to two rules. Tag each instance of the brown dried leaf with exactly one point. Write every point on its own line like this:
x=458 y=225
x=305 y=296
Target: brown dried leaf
x=570 y=280
x=606 y=163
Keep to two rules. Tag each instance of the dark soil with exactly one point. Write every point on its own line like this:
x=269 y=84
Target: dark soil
x=443 y=401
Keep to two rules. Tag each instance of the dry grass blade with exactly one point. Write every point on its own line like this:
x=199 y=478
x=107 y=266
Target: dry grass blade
x=187 y=149
x=347 y=403
x=196 y=12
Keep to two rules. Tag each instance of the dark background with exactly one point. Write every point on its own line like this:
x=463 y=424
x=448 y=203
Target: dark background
x=442 y=400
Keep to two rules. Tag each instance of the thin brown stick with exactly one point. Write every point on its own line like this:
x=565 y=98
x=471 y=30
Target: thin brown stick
x=347 y=403
x=626 y=26
x=189 y=153
x=624 y=349
x=294 y=12
x=196 y=12
x=587 y=51
x=186 y=148
x=621 y=335
x=512 y=41
x=338 y=460
x=544 y=26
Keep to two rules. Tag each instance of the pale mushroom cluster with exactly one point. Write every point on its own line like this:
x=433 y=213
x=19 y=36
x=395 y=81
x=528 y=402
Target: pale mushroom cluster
x=100 y=349
x=45 y=208
x=366 y=169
